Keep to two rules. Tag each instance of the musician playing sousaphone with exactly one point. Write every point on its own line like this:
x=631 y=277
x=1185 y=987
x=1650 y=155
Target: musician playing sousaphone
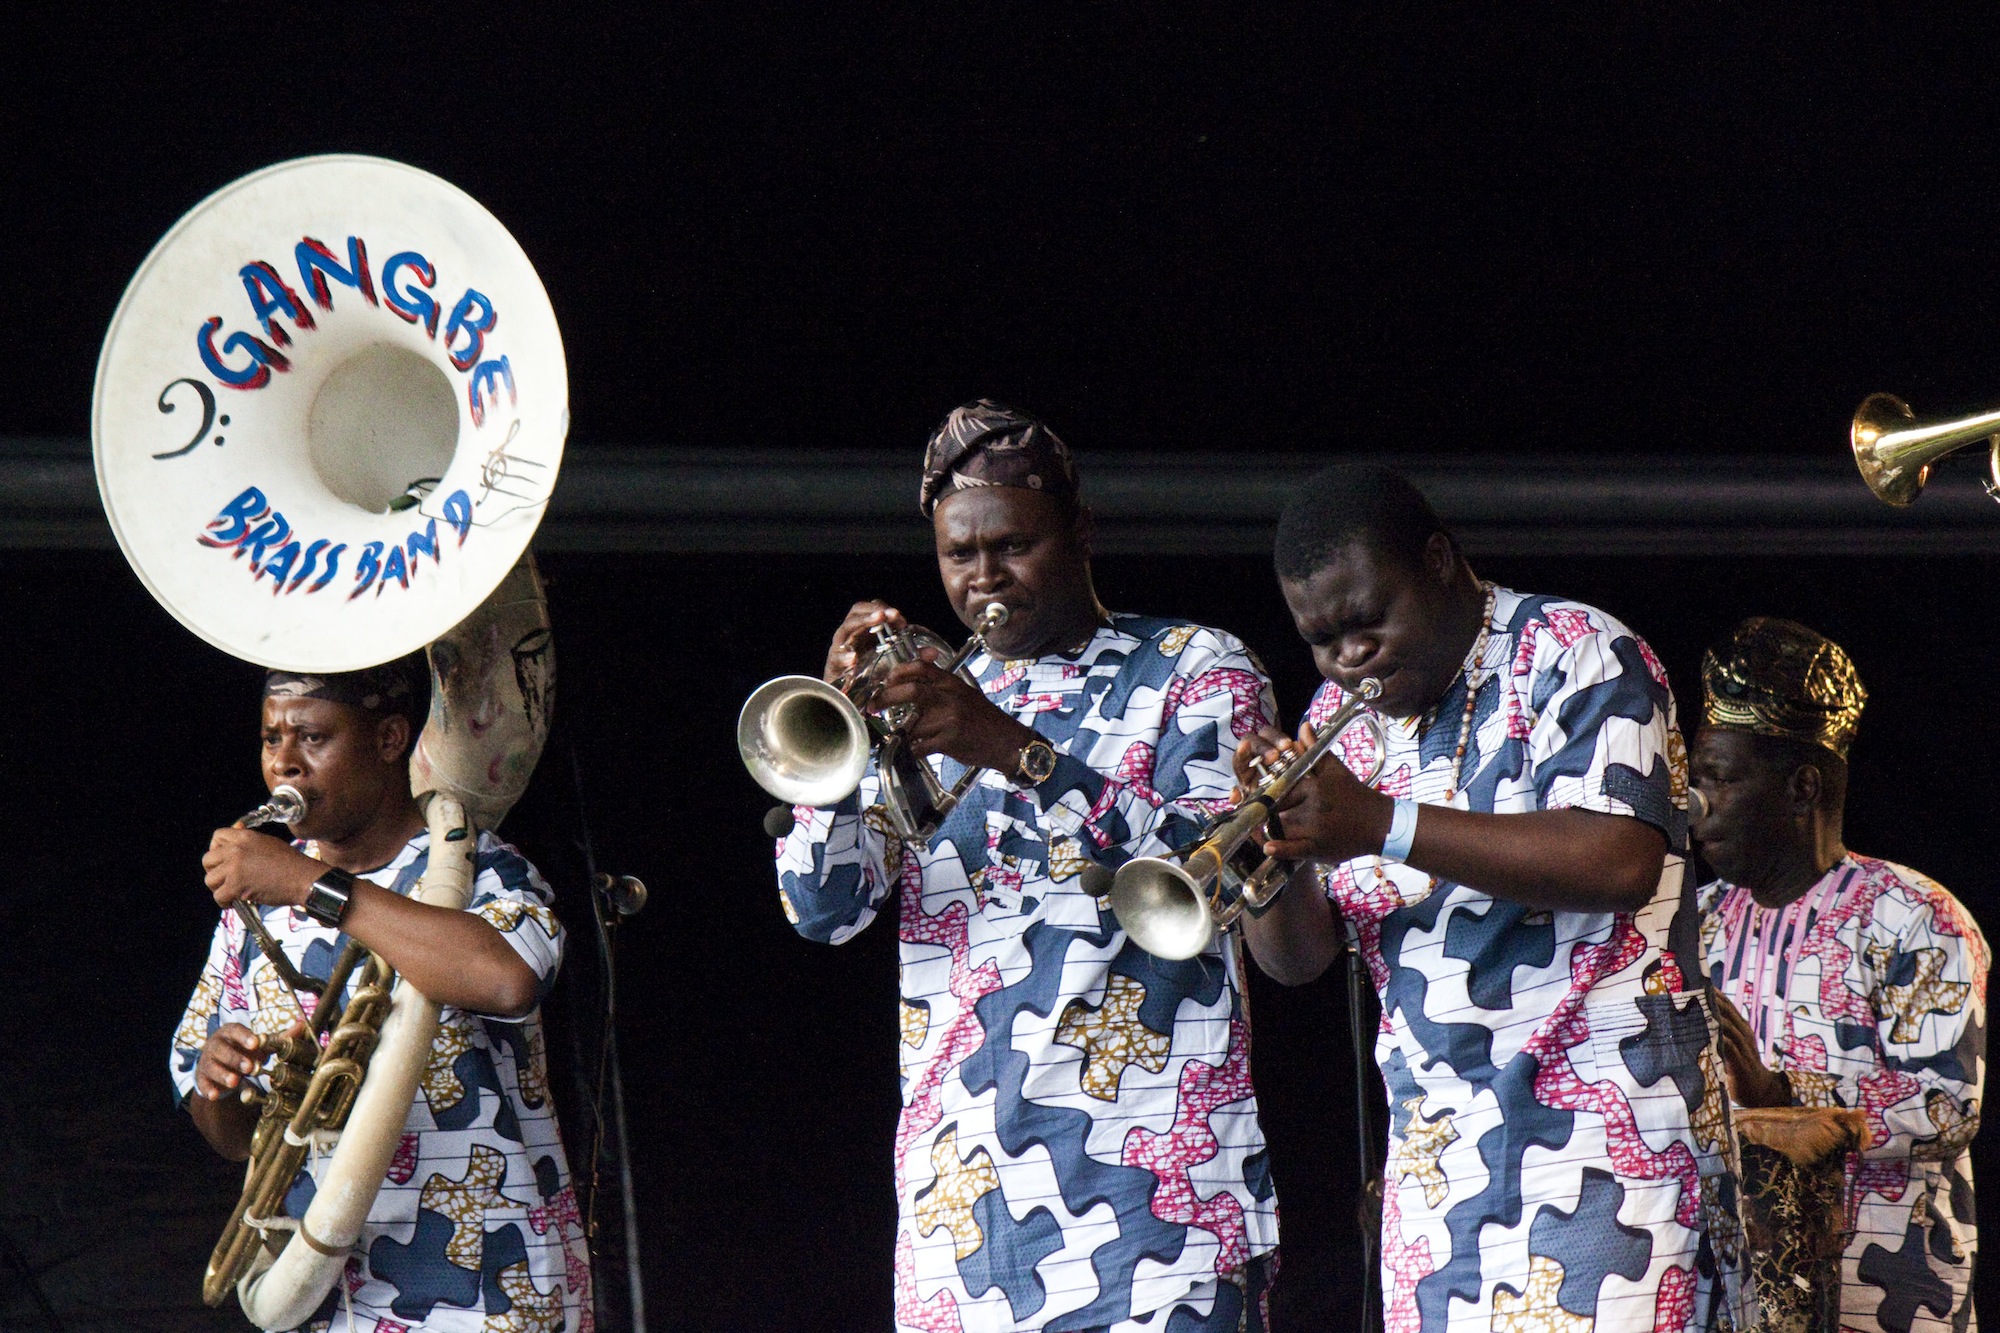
x=1079 y=1146
x=477 y=1214
x=1511 y=882
x=1848 y=981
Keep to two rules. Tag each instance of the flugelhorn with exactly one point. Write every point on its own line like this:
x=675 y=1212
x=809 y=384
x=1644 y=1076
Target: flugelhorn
x=1896 y=452
x=1173 y=907
x=807 y=742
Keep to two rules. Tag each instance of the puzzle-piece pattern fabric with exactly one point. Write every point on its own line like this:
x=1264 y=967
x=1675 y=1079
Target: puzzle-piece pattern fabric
x=1543 y=1072
x=476 y=1227
x=1869 y=991
x=1079 y=1143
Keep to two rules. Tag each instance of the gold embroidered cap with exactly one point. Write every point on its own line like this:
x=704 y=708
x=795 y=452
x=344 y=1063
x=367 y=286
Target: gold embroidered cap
x=1775 y=677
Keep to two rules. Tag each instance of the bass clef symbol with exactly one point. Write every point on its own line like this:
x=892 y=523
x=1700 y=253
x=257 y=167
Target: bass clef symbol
x=208 y=417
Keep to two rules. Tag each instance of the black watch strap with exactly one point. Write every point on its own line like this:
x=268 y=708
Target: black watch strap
x=326 y=900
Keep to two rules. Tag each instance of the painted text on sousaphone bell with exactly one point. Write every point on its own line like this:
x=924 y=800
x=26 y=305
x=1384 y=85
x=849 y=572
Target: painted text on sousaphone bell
x=407 y=280
x=249 y=525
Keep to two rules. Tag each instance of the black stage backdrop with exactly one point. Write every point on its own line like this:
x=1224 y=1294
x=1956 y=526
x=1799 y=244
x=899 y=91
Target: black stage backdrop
x=1631 y=229
x=760 y=1068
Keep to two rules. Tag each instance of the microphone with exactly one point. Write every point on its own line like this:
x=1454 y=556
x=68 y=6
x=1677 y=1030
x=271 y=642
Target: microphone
x=625 y=893
x=779 y=821
x=1697 y=805
x=1095 y=879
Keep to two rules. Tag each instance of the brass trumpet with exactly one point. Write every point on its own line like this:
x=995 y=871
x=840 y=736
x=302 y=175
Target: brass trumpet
x=1896 y=453
x=807 y=742
x=1173 y=908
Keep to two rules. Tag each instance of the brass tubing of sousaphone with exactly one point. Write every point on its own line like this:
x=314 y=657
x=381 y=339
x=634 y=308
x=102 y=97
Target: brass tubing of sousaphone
x=276 y=1159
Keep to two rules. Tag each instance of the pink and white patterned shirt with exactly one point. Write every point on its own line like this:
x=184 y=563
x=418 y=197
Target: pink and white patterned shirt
x=1869 y=991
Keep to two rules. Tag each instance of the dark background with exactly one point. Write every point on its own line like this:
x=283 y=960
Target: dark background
x=1668 y=230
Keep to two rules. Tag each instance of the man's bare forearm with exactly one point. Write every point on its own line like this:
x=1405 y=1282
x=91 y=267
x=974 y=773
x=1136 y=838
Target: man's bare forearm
x=453 y=957
x=1298 y=937
x=227 y=1123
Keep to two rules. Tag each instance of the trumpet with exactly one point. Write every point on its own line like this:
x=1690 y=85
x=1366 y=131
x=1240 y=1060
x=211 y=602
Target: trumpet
x=808 y=743
x=1173 y=908
x=1896 y=453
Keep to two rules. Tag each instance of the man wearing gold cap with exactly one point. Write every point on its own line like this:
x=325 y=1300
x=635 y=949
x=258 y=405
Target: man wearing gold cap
x=1852 y=981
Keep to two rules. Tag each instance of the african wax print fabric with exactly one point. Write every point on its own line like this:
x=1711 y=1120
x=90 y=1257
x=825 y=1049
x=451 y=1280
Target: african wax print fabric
x=1543 y=1076
x=1079 y=1142
x=1869 y=991
x=1238 y=1303
x=476 y=1227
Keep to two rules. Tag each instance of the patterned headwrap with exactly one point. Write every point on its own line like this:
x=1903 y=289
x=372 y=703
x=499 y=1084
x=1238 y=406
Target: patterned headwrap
x=394 y=687
x=986 y=444
x=1777 y=678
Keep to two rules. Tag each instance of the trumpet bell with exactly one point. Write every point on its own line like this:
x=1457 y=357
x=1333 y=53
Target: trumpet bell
x=1161 y=908
x=803 y=741
x=1895 y=453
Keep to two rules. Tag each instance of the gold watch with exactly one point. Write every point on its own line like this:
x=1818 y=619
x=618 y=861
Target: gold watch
x=1037 y=762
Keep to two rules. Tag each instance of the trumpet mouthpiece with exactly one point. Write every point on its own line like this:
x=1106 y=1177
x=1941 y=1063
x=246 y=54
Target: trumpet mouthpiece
x=993 y=617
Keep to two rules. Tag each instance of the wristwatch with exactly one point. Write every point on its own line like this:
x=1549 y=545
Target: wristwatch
x=326 y=900
x=1037 y=761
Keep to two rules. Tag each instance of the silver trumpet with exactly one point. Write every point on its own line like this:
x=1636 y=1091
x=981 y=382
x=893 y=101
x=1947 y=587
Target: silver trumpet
x=807 y=742
x=1174 y=908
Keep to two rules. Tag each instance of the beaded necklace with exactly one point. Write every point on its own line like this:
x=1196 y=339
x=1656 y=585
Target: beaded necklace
x=1471 y=670
x=1473 y=680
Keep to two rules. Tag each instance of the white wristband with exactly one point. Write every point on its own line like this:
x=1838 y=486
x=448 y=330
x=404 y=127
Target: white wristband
x=1402 y=831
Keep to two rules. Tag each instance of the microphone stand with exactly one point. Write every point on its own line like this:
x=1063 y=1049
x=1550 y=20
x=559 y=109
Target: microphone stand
x=612 y=898
x=1365 y=1137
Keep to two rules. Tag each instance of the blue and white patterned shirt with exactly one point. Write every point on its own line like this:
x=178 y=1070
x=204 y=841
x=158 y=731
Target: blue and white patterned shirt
x=476 y=1227
x=1078 y=1139
x=1545 y=1081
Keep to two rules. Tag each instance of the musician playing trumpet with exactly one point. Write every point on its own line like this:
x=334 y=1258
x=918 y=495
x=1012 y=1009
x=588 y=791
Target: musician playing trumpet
x=1510 y=884
x=477 y=1214
x=1079 y=1146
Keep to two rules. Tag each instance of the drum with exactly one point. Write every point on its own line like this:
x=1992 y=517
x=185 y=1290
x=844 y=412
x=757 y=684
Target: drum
x=1790 y=1184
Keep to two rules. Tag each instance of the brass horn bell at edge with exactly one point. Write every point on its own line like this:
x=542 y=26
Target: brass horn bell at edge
x=1896 y=452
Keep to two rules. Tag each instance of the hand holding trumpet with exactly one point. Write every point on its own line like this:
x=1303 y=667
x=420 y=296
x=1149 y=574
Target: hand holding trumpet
x=951 y=717
x=1329 y=815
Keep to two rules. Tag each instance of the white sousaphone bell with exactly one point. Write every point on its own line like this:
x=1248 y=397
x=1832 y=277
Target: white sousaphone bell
x=329 y=413
x=328 y=417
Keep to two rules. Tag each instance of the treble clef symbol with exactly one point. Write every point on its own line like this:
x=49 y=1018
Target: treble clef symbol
x=208 y=417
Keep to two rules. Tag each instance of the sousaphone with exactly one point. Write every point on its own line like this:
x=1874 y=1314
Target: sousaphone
x=328 y=417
